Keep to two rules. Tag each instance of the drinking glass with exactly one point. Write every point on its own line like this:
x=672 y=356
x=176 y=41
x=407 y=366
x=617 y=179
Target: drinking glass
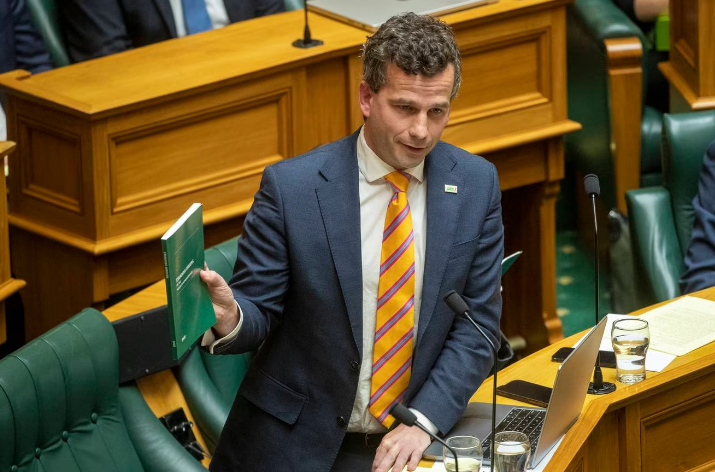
x=511 y=452
x=630 y=339
x=469 y=453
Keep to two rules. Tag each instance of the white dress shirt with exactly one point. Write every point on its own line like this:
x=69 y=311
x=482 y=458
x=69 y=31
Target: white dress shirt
x=375 y=194
x=217 y=15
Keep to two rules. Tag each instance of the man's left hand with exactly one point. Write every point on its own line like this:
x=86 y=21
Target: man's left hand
x=402 y=446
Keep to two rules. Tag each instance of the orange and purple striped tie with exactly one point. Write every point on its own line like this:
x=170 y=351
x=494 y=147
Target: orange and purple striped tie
x=392 y=355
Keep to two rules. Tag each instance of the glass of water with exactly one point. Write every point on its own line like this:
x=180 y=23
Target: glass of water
x=630 y=339
x=511 y=452
x=469 y=453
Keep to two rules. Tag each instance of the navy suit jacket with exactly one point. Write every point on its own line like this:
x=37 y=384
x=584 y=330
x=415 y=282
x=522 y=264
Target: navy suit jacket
x=298 y=280
x=21 y=47
x=97 y=28
x=700 y=259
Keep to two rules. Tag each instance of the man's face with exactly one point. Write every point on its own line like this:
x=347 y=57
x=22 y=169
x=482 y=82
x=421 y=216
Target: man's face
x=405 y=119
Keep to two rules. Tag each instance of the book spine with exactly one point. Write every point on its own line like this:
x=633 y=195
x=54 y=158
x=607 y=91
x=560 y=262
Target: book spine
x=171 y=295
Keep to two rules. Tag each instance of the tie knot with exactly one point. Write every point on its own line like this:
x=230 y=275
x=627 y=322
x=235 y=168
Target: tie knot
x=399 y=180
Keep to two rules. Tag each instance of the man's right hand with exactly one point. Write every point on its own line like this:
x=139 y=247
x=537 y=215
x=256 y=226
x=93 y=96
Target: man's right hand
x=223 y=302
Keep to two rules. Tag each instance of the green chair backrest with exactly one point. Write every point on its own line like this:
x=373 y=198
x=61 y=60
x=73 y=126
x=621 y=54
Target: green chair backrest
x=45 y=20
x=59 y=405
x=588 y=24
x=685 y=138
x=293 y=4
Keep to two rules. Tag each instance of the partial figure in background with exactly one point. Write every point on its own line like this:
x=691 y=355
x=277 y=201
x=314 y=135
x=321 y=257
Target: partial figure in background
x=700 y=259
x=21 y=47
x=97 y=28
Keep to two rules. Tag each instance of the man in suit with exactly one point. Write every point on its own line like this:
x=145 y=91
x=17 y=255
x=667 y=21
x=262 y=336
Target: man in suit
x=97 y=28
x=21 y=47
x=700 y=259
x=344 y=261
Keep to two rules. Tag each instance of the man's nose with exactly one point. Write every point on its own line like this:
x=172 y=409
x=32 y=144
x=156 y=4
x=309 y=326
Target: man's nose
x=418 y=130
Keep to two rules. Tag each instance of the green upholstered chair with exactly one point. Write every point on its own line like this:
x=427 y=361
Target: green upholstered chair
x=661 y=218
x=62 y=410
x=45 y=19
x=593 y=149
x=293 y=4
x=209 y=382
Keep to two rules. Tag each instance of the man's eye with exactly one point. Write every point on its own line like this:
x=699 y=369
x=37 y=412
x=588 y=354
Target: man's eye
x=437 y=111
x=405 y=107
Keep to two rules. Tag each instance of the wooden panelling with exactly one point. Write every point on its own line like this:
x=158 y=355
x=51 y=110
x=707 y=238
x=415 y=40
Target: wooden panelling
x=211 y=148
x=327 y=82
x=625 y=86
x=691 y=68
x=691 y=447
x=520 y=166
x=49 y=154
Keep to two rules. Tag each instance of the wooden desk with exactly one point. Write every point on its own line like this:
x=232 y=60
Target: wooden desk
x=691 y=68
x=8 y=285
x=113 y=150
x=664 y=423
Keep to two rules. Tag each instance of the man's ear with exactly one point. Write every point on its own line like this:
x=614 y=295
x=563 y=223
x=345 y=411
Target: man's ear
x=365 y=98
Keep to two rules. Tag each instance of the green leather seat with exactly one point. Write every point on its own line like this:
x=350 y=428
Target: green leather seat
x=661 y=218
x=293 y=4
x=45 y=20
x=210 y=382
x=589 y=24
x=62 y=410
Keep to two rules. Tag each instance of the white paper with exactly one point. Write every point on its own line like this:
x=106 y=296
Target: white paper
x=655 y=360
x=682 y=326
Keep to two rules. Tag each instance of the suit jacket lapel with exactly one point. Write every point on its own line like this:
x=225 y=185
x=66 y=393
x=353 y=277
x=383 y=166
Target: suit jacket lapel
x=442 y=214
x=167 y=15
x=339 y=201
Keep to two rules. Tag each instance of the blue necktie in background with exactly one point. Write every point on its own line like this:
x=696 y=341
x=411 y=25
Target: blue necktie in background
x=196 y=16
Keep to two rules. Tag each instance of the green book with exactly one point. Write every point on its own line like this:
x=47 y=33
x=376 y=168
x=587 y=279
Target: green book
x=508 y=261
x=190 y=310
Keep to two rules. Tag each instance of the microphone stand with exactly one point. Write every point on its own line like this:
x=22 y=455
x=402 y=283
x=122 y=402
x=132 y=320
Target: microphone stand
x=457 y=304
x=307 y=41
x=598 y=386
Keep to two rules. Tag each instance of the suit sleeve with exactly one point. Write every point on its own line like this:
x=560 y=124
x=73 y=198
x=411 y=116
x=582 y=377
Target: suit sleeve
x=261 y=275
x=466 y=358
x=94 y=28
x=700 y=258
x=30 y=52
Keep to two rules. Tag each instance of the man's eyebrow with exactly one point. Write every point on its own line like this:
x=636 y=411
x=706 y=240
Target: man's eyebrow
x=406 y=101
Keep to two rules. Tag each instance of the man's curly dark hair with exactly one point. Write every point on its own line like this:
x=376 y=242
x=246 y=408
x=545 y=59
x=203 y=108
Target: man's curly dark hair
x=417 y=44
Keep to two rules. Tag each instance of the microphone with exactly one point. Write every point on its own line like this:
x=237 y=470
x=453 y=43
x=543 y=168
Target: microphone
x=406 y=417
x=593 y=190
x=456 y=303
x=307 y=41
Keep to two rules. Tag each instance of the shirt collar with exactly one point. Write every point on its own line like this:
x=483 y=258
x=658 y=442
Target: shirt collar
x=374 y=168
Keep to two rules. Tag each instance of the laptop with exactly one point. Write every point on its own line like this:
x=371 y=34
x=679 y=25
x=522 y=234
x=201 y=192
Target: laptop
x=543 y=426
x=370 y=14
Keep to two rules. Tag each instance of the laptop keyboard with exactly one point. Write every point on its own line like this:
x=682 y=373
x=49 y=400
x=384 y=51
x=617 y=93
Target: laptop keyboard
x=522 y=420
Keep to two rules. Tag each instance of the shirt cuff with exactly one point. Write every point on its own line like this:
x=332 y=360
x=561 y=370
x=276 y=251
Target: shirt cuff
x=425 y=422
x=210 y=340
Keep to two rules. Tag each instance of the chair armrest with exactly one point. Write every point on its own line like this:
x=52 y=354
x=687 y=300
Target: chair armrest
x=157 y=449
x=655 y=243
x=202 y=397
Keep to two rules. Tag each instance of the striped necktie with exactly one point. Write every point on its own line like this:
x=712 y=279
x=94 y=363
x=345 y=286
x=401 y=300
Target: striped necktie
x=392 y=354
x=196 y=16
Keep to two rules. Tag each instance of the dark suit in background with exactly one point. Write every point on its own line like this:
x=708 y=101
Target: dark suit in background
x=298 y=281
x=700 y=259
x=21 y=47
x=97 y=28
